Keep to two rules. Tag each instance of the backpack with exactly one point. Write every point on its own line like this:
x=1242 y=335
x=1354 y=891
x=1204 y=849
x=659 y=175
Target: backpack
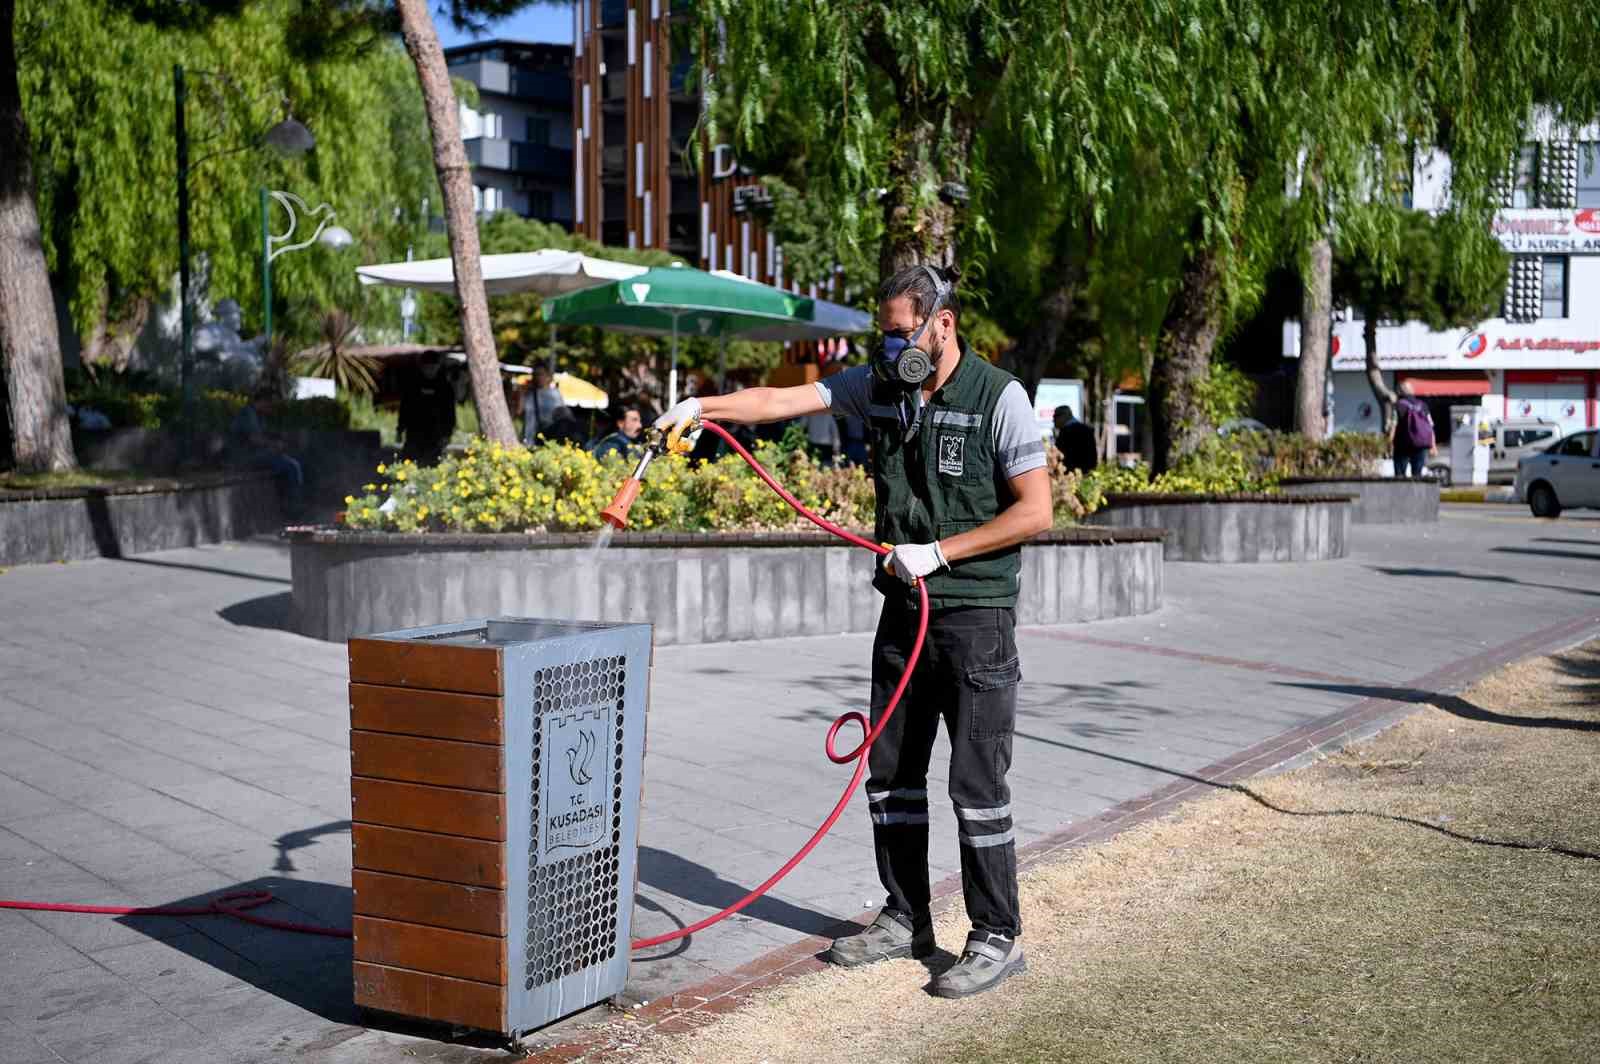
x=1417 y=422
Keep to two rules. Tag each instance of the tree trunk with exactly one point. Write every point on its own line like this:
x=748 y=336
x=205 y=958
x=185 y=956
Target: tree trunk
x=455 y=181
x=111 y=342
x=922 y=232
x=1183 y=360
x=1316 y=328
x=1386 y=398
x=30 y=343
x=1028 y=357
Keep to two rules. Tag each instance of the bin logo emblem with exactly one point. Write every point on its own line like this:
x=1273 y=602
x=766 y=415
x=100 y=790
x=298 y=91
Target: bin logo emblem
x=575 y=806
x=579 y=757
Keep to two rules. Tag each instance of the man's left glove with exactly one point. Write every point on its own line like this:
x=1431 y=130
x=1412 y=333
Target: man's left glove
x=913 y=561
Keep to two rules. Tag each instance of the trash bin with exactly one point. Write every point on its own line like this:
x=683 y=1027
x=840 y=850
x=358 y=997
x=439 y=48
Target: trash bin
x=494 y=787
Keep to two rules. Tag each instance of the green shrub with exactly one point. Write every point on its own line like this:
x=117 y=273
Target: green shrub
x=1219 y=466
x=562 y=488
x=318 y=412
x=1345 y=454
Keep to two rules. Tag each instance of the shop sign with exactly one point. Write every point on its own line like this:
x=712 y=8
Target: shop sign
x=1556 y=232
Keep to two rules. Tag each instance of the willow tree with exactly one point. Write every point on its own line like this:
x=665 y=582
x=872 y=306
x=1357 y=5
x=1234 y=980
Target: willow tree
x=877 y=105
x=103 y=132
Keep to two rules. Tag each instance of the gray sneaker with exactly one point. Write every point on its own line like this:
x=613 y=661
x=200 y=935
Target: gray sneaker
x=985 y=962
x=887 y=938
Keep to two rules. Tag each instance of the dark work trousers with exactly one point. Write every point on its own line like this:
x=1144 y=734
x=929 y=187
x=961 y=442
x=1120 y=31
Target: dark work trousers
x=967 y=675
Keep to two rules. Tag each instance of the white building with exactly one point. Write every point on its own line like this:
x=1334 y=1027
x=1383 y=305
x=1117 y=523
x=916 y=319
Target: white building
x=1541 y=357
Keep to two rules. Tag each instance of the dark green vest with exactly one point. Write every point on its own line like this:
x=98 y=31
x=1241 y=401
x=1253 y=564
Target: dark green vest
x=946 y=479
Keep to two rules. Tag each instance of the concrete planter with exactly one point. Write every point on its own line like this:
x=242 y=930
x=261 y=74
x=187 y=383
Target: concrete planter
x=1378 y=500
x=1238 y=528
x=67 y=524
x=702 y=588
x=336 y=461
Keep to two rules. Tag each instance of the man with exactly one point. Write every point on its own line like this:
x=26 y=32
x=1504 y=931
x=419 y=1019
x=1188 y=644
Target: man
x=427 y=411
x=539 y=407
x=960 y=479
x=622 y=441
x=1411 y=435
x=250 y=445
x=1075 y=440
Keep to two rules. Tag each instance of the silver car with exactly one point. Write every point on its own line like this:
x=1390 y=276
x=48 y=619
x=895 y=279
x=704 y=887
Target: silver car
x=1564 y=476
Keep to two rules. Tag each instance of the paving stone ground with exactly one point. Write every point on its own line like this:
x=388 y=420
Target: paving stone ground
x=164 y=738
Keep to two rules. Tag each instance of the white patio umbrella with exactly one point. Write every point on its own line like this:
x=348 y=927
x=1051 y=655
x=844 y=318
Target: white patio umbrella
x=548 y=272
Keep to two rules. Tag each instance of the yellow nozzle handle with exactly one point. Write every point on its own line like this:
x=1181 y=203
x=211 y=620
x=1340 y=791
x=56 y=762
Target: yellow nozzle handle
x=676 y=444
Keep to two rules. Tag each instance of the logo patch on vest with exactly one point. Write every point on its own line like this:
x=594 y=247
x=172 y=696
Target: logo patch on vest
x=952 y=454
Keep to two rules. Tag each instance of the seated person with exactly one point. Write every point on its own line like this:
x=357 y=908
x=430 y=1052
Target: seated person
x=625 y=438
x=252 y=447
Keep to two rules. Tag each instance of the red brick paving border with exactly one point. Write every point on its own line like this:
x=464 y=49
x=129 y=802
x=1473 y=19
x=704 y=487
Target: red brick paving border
x=696 y=1004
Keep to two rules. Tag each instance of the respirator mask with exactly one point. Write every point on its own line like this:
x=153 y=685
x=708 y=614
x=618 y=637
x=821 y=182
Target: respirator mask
x=897 y=359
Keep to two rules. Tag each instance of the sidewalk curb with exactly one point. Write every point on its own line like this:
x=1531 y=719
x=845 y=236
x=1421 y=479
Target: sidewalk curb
x=694 y=1005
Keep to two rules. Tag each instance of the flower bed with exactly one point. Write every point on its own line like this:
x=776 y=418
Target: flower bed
x=1237 y=527
x=692 y=587
x=1378 y=500
x=65 y=524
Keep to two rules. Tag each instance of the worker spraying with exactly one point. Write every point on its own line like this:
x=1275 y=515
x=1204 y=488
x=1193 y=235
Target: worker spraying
x=959 y=470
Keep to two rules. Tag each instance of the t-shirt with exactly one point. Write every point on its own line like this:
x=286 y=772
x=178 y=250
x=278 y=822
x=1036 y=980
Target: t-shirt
x=1016 y=434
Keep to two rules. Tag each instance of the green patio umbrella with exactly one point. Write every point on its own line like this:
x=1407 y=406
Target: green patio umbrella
x=669 y=300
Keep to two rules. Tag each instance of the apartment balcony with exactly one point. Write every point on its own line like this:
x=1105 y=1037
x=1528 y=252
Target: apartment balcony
x=544 y=86
x=541 y=160
x=489 y=153
x=613 y=12
x=489 y=75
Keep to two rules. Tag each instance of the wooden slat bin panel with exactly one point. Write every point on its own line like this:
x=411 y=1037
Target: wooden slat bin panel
x=419 y=807
x=428 y=665
x=431 y=997
x=441 y=762
x=428 y=901
x=421 y=853
x=432 y=714
x=461 y=954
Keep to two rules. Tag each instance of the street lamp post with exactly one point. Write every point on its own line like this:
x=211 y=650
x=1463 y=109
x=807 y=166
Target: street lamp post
x=288 y=138
x=275 y=244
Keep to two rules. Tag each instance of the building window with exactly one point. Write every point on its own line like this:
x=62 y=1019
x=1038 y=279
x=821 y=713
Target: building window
x=541 y=204
x=1523 y=191
x=486 y=199
x=538 y=130
x=1589 y=174
x=492 y=125
x=1553 y=287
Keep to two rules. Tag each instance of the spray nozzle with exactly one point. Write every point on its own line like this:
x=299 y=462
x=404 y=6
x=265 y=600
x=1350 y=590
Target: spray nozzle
x=656 y=444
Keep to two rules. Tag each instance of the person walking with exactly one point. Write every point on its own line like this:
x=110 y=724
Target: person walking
x=1075 y=440
x=427 y=411
x=1411 y=435
x=959 y=471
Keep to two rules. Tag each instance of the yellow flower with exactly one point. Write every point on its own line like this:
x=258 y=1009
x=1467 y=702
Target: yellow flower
x=382 y=468
x=369 y=487
x=399 y=474
x=349 y=499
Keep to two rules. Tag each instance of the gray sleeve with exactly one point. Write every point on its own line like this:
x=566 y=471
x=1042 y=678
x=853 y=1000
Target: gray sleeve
x=847 y=392
x=1018 y=447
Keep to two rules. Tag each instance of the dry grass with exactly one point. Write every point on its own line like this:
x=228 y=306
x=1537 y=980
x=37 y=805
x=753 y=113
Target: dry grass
x=1431 y=895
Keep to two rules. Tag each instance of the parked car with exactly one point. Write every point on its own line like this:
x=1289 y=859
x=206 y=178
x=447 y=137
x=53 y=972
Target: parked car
x=1509 y=442
x=1564 y=476
x=1514 y=440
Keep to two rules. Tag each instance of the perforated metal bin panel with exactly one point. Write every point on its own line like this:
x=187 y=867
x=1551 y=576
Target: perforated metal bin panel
x=575 y=696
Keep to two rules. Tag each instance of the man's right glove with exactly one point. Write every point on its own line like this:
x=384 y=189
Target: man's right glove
x=685 y=410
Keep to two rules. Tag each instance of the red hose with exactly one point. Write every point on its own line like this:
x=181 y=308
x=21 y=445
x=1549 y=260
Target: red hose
x=236 y=903
x=869 y=735
x=233 y=905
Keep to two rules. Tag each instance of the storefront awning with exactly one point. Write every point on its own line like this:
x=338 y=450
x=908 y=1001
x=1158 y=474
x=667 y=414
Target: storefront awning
x=1438 y=384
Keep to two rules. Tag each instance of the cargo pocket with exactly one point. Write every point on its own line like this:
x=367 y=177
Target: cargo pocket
x=993 y=693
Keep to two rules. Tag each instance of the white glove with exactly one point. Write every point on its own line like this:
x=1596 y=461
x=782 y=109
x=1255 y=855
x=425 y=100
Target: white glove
x=685 y=410
x=913 y=561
